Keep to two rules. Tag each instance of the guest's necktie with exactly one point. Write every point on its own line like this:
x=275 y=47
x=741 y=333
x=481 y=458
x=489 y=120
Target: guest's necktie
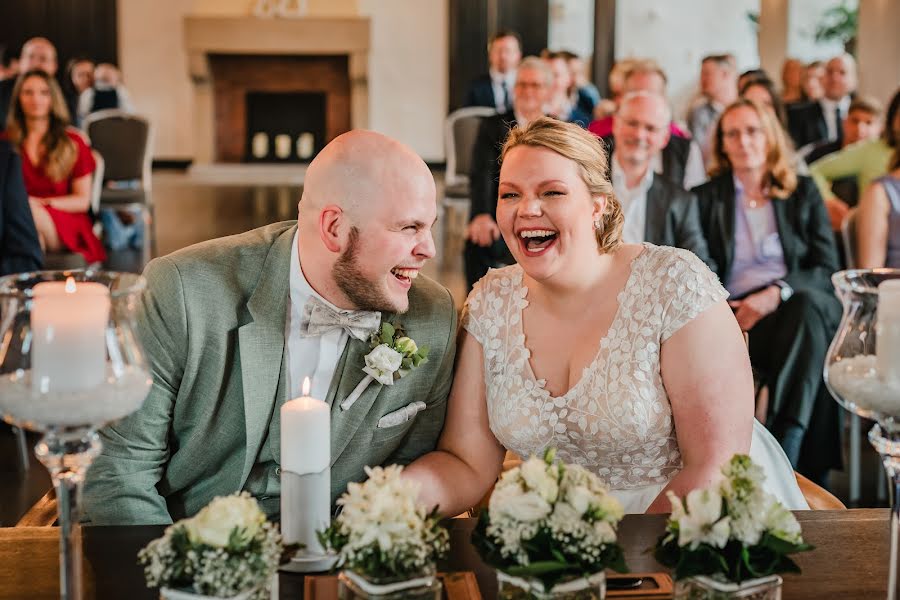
x=838 y=124
x=319 y=318
x=507 y=105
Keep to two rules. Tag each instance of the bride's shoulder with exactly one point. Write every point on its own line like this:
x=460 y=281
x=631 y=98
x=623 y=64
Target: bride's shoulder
x=669 y=263
x=501 y=282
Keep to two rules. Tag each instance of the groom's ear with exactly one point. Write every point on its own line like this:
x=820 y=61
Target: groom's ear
x=331 y=219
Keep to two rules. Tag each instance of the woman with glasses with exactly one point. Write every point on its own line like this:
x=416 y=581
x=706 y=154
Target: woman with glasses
x=769 y=233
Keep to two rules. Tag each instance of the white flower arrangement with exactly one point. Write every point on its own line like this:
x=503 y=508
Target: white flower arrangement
x=392 y=357
x=550 y=522
x=225 y=550
x=733 y=531
x=382 y=533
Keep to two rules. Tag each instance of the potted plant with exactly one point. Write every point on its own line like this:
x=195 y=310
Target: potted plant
x=386 y=542
x=730 y=540
x=550 y=531
x=227 y=550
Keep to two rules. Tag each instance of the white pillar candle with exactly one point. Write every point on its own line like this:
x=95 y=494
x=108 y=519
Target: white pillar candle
x=305 y=470
x=68 y=325
x=887 y=331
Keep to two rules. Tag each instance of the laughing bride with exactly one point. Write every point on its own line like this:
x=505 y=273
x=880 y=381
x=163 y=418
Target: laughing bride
x=624 y=357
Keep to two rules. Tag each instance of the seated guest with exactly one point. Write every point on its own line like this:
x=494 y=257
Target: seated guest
x=294 y=300
x=863 y=161
x=57 y=166
x=643 y=75
x=20 y=250
x=616 y=83
x=763 y=92
x=494 y=88
x=656 y=210
x=771 y=240
x=79 y=77
x=485 y=248
x=584 y=94
x=792 y=81
x=863 y=122
x=624 y=357
x=106 y=93
x=718 y=87
x=37 y=54
x=878 y=221
x=812 y=82
x=751 y=75
x=821 y=120
x=560 y=103
x=9 y=63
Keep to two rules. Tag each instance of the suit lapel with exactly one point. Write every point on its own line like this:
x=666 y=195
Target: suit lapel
x=726 y=221
x=784 y=231
x=261 y=344
x=655 y=215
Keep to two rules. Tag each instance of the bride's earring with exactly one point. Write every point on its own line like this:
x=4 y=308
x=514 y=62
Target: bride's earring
x=598 y=224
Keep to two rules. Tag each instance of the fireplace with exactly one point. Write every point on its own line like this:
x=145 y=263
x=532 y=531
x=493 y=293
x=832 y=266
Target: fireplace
x=275 y=90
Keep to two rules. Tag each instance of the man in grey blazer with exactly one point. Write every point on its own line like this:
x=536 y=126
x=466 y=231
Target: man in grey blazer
x=656 y=210
x=231 y=327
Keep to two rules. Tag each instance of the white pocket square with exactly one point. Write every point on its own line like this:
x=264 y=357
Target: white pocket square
x=401 y=415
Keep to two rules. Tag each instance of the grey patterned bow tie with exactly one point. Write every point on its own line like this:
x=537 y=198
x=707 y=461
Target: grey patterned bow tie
x=319 y=318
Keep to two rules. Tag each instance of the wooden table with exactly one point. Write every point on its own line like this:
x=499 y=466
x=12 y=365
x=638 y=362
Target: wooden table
x=850 y=559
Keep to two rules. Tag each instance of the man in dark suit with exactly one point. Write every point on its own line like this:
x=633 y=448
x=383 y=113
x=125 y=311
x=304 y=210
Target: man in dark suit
x=20 y=250
x=814 y=122
x=494 y=88
x=656 y=210
x=37 y=53
x=484 y=246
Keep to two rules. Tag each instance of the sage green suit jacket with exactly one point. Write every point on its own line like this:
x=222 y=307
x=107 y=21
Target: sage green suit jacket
x=212 y=324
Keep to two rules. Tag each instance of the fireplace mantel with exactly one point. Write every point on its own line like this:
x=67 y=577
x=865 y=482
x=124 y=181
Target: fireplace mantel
x=305 y=36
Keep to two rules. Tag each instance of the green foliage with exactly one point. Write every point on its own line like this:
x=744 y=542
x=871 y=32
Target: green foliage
x=839 y=23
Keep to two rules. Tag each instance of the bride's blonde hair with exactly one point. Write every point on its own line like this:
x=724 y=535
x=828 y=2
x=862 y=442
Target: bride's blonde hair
x=588 y=152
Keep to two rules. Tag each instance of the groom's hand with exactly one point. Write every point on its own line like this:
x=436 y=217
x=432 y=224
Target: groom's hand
x=755 y=307
x=483 y=230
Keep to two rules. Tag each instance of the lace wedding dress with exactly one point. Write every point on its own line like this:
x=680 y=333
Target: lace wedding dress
x=616 y=420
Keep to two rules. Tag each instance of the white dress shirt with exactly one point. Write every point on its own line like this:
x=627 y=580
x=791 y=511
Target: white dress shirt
x=313 y=356
x=828 y=111
x=497 y=80
x=633 y=201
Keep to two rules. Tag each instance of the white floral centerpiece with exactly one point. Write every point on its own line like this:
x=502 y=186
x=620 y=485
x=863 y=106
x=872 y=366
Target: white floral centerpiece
x=386 y=542
x=227 y=550
x=732 y=535
x=550 y=530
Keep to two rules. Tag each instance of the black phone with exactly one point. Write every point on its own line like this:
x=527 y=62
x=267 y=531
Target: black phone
x=623 y=583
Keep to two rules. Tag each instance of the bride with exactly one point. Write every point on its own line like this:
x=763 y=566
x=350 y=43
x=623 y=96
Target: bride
x=624 y=357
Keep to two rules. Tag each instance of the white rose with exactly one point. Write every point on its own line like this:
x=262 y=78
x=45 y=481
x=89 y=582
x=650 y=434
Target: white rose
x=580 y=498
x=611 y=507
x=215 y=522
x=525 y=507
x=382 y=362
x=604 y=532
x=538 y=476
x=406 y=345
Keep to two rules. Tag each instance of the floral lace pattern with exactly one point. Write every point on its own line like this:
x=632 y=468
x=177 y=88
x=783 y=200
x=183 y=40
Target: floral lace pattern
x=616 y=420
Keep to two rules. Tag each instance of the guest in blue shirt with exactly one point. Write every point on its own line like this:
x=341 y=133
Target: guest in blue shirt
x=769 y=233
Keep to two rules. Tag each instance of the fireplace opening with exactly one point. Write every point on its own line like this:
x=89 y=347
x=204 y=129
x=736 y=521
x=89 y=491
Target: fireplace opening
x=284 y=127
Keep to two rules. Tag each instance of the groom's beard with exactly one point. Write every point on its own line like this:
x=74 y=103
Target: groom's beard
x=365 y=293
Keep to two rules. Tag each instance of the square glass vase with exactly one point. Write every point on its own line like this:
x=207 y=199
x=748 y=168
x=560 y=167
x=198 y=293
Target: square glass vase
x=702 y=587
x=510 y=587
x=354 y=586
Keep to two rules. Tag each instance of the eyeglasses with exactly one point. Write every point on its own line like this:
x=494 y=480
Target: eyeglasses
x=735 y=134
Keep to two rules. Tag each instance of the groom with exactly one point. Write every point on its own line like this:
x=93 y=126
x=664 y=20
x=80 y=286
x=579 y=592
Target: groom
x=231 y=327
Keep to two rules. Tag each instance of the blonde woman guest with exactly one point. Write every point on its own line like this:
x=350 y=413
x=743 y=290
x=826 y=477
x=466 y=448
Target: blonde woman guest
x=878 y=221
x=769 y=235
x=625 y=357
x=57 y=166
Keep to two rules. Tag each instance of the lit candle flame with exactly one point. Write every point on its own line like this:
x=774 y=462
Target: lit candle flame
x=70 y=285
x=306 y=386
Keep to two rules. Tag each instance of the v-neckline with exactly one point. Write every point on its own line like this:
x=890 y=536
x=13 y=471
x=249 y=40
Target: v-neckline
x=542 y=383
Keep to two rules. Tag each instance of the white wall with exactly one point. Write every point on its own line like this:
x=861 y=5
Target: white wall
x=671 y=33
x=803 y=16
x=571 y=26
x=407 y=66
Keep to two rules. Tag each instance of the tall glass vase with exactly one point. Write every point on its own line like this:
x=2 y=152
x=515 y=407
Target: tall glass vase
x=70 y=362
x=862 y=371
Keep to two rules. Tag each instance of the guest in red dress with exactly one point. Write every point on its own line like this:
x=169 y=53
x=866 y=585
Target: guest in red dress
x=57 y=165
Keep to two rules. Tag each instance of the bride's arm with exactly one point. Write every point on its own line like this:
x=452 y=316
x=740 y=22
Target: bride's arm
x=468 y=457
x=707 y=376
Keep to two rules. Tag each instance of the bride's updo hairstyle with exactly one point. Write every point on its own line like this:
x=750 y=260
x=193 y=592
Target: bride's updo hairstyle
x=587 y=150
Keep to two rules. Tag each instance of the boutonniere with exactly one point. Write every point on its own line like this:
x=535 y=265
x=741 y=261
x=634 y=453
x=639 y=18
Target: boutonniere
x=392 y=357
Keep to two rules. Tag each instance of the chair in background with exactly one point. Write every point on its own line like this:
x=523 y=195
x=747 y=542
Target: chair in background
x=460 y=133
x=124 y=140
x=63 y=261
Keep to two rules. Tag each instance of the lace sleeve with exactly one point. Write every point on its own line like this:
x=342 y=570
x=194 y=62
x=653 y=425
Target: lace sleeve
x=687 y=288
x=473 y=312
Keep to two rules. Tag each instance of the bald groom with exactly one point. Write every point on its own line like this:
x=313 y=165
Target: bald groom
x=226 y=328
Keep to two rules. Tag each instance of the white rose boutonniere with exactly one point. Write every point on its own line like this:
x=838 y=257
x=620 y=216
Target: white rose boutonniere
x=393 y=356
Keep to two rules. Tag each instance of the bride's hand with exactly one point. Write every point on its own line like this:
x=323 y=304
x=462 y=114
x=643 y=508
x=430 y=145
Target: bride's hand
x=755 y=307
